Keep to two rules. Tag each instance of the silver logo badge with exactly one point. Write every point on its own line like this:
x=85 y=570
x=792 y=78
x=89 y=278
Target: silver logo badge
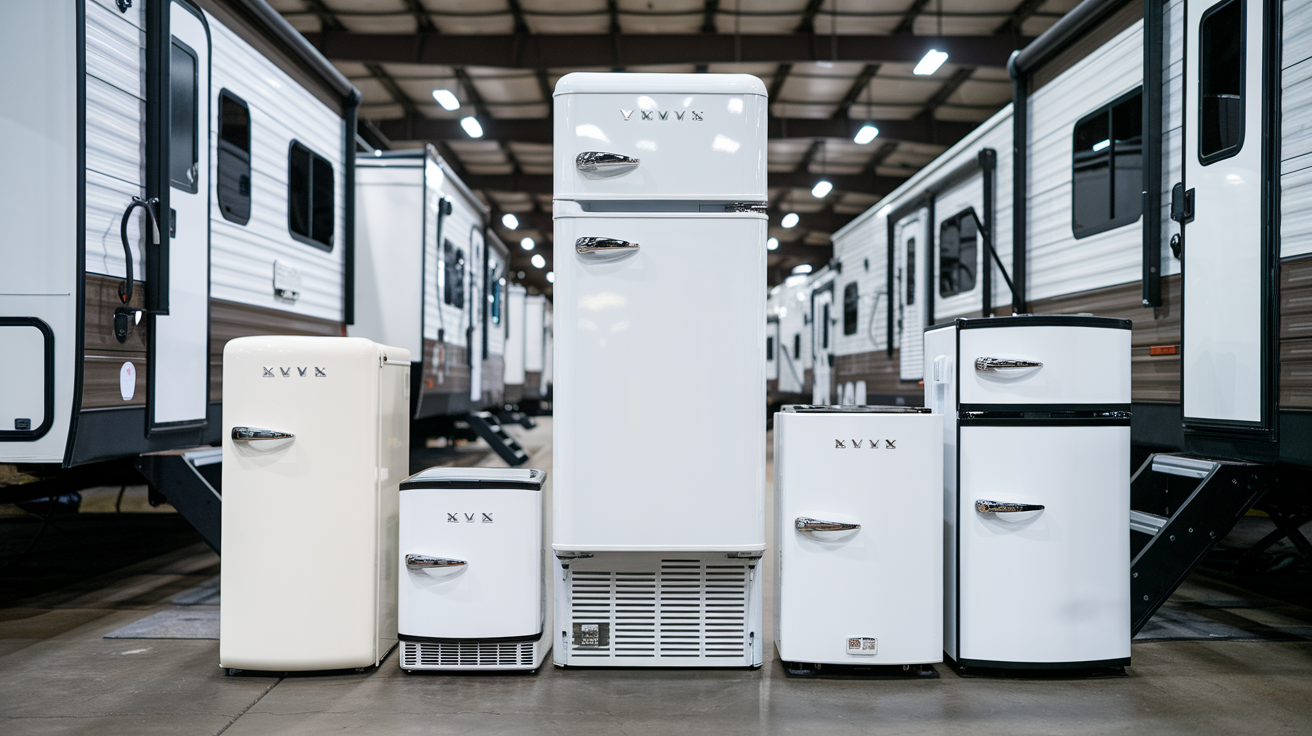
x=626 y=113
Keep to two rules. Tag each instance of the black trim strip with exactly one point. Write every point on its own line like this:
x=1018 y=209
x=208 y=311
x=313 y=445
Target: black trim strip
x=1018 y=408
x=425 y=485
x=1089 y=665
x=48 y=374
x=348 y=217
x=1045 y=421
x=1152 y=152
x=1041 y=320
x=467 y=640
x=75 y=406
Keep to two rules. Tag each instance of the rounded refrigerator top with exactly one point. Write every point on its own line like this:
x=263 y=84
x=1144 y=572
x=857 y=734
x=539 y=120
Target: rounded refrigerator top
x=615 y=83
x=522 y=479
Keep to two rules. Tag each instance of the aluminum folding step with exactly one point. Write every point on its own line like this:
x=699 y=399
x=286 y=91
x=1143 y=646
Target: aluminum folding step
x=518 y=417
x=1181 y=506
x=190 y=480
x=489 y=428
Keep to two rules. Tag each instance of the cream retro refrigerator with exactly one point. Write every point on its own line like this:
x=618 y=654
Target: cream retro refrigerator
x=315 y=444
x=659 y=306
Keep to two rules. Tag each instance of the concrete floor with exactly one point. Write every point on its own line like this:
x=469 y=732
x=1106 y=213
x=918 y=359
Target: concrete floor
x=58 y=675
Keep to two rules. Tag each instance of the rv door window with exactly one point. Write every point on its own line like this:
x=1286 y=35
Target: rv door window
x=234 y=162
x=453 y=263
x=850 y=309
x=183 y=153
x=310 y=195
x=797 y=346
x=911 y=271
x=957 y=254
x=824 y=330
x=769 y=347
x=1107 y=167
x=1221 y=82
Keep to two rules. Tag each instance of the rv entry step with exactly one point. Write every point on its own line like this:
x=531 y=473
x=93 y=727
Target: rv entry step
x=190 y=480
x=1180 y=507
x=489 y=428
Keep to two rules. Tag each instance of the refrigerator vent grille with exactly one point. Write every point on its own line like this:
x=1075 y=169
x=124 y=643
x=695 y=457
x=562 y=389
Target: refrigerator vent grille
x=687 y=609
x=423 y=654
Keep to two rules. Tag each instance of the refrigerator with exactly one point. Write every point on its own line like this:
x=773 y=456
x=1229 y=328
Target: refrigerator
x=472 y=588
x=316 y=439
x=858 y=495
x=659 y=356
x=1036 y=485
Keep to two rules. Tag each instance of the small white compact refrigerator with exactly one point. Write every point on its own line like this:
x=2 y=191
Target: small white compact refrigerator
x=1036 y=489
x=472 y=590
x=858 y=527
x=659 y=299
x=316 y=439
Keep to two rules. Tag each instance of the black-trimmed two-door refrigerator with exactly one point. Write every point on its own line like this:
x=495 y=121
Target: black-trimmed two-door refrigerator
x=1036 y=489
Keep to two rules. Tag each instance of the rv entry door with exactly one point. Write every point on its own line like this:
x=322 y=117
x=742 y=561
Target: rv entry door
x=822 y=307
x=1226 y=385
x=911 y=256
x=179 y=351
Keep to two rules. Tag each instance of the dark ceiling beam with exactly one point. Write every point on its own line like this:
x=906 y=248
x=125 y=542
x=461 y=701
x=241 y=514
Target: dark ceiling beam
x=800 y=179
x=327 y=18
x=416 y=9
x=908 y=22
x=854 y=92
x=1018 y=17
x=954 y=82
x=535 y=51
x=475 y=99
x=780 y=76
x=538 y=130
x=708 y=20
x=808 y=17
x=521 y=25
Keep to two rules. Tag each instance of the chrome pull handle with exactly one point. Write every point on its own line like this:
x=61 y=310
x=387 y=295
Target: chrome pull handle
x=1004 y=365
x=1004 y=507
x=249 y=434
x=421 y=562
x=603 y=245
x=602 y=165
x=806 y=524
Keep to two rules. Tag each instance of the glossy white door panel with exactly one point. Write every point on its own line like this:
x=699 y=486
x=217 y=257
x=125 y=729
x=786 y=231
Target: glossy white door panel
x=1223 y=371
x=1050 y=585
x=659 y=383
x=882 y=472
x=695 y=137
x=497 y=533
x=310 y=522
x=1081 y=365
x=180 y=349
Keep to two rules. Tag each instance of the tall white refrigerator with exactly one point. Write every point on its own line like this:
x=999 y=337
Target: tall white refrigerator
x=659 y=446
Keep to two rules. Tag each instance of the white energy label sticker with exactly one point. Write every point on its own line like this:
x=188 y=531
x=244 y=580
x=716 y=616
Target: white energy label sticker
x=862 y=645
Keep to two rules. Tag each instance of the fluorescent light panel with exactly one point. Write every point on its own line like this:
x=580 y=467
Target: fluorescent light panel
x=446 y=99
x=867 y=133
x=930 y=64
x=471 y=126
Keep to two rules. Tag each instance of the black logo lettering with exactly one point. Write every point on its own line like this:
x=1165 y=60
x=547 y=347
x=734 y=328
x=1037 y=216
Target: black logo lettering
x=680 y=115
x=469 y=518
x=838 y=445
x=451 y=519
x=856 y=444
x=874 y=444
x=487 y=518
x=268 y=373
x=696 y=116
x=626 y=113
x=888 y=444
x=319 y=372
x=646 y=115
x=286 y=372
x=302 y=371
x=663 y=115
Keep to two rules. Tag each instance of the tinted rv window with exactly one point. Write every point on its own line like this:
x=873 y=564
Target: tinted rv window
x=957 y=254
x=1107 y=167
x=797 y=346
x=309 y=197
x=911 y=271
x=824 y=329
x=769 y=348
x=453 y=264
x=182 y=118
x=1221 y=82
x=850 y=309
x=234 y=162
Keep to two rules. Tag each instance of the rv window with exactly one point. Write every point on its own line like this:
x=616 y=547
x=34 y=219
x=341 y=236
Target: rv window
x=494 y=300
x=182 y=118
x=769 y=347
x=911 y=271
x=1107 y=167
x=957 y=254
x=234 y=158
x=309 y=197
x=1221 y=82
x=824 y=331
x=850 y=308
x=453 y=291
x=797 y=346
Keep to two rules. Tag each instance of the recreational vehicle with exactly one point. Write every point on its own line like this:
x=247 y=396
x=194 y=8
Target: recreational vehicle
x=514 y=374
x=788 y=319
x=179 y=174
x=537 y=353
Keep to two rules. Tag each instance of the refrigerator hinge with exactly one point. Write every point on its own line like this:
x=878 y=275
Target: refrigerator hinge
x=573 y=555
x=747 y=555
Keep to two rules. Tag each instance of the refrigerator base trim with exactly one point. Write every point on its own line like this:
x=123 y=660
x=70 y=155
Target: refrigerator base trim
x=990 y=664
x=468 y=655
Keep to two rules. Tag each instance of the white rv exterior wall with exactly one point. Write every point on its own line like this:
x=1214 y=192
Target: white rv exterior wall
x=1296 y=131
x=38 y=255
x=496 y=271
x=865 y=244
x=535 y=333
x=514 y=316
x=467 y=214
x=791 y=311
x=389 y=223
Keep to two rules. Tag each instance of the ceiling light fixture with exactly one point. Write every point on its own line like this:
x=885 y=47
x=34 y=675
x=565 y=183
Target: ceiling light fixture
x=551 y=277
x=804 y=268
x=822 y=188
x=510 y=221
x=447 y=99
x=538 y=261
x=790 y=220
x=930 y=64
x=867 y=133
x=772 y=244
x=527 y=244
x=471 y=126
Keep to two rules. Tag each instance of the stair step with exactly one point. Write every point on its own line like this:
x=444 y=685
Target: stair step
x=1146 y=523
x=1185 y=467
x=502 y=442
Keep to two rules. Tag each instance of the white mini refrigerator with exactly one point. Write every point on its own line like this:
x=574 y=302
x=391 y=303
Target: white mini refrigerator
x=659 y=305
x=858 y=527
x=1036 y=489
x=472 y=590
x=316 y=439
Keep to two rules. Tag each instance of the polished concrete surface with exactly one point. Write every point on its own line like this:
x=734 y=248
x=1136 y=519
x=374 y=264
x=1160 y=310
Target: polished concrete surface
x=59 y=675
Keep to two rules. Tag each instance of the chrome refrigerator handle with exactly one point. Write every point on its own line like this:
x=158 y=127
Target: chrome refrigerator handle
x=247 y=434
x=419 y=562
x=806 y=524
x=602 y=165
x=603 y=245
x=1005 y=507
x=1000 y=365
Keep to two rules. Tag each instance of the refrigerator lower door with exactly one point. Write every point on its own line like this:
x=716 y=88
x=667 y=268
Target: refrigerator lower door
x=1051 y=586
x=659 y=382
x=303 y=517
x=871 y=595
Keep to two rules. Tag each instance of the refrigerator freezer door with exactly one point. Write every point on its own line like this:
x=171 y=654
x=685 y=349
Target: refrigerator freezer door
x=691 y=146
x=301 y=516
x=881 y=581
x=660 y=385
x=498 y=591
x=1049 y=586
x=1075 y=365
